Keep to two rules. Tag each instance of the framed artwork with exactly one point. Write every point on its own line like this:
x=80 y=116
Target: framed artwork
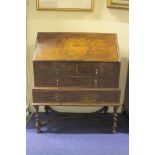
x=65 y=5
x=123 y=4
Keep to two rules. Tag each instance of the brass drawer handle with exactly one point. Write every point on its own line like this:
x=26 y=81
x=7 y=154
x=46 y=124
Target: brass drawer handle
x=58 y=98
x=57 y=71
x=96 y=71
x=95 y=83
x=57 y=83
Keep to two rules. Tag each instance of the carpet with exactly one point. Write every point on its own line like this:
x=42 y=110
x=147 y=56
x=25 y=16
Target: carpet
x=78 y=136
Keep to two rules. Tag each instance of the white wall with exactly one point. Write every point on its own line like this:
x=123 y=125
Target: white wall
x=103 y=19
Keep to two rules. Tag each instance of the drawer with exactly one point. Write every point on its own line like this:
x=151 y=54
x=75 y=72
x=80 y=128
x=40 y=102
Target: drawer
x=81 y=96
x=74 y=81
x=80 y=74
x=48 y=68
x=96 y=69
x=64 y=81
x=85 y=81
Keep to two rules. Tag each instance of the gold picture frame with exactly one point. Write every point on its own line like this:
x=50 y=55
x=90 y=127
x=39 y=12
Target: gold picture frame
x=122 y=4
x=60 y=7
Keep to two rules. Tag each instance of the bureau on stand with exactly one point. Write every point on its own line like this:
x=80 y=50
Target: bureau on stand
x=76 y=69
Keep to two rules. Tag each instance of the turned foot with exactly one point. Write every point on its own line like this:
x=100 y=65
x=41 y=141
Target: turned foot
x=105 y=109
x=38 y=124
x=114 y=126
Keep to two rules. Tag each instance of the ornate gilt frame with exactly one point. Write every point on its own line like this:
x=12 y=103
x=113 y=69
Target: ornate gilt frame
x=119 y=4
x=65 y=9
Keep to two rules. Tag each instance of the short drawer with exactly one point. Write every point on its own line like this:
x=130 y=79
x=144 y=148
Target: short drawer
x=48 y=68
x=82 y=96
x=64 y=81
x=96 y=68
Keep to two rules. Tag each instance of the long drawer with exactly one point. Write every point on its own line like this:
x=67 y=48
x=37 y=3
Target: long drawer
x=71 y=74
x=76 y=95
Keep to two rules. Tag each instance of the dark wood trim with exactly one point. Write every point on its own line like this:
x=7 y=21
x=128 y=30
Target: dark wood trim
x=76 y=88
x=77 y=104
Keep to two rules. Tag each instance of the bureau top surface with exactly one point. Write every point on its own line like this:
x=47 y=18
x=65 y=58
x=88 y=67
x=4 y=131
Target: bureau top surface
x=60 y=46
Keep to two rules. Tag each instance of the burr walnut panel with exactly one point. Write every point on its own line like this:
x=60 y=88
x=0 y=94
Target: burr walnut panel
x=62 y=46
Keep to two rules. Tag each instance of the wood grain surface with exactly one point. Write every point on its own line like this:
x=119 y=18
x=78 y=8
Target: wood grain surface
x=67 y=46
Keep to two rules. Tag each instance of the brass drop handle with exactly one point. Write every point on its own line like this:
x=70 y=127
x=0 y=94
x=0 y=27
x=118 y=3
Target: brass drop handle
x=57 y=71
x=57 y=83
x=58 y=98
x=96 y=71
x=95 y=83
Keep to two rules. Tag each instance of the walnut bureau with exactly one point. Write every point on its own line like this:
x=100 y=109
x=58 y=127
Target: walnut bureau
x=76 y=69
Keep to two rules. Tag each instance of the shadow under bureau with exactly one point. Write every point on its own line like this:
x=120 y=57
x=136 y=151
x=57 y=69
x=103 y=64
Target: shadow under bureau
x=76 y=69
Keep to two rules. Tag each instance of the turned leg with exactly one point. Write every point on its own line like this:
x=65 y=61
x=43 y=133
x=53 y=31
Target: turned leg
x=114 y=126
x=46 y=109
x=105 y=109
x=37 y=125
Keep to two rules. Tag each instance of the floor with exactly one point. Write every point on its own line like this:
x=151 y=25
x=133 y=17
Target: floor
x=79 y=136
